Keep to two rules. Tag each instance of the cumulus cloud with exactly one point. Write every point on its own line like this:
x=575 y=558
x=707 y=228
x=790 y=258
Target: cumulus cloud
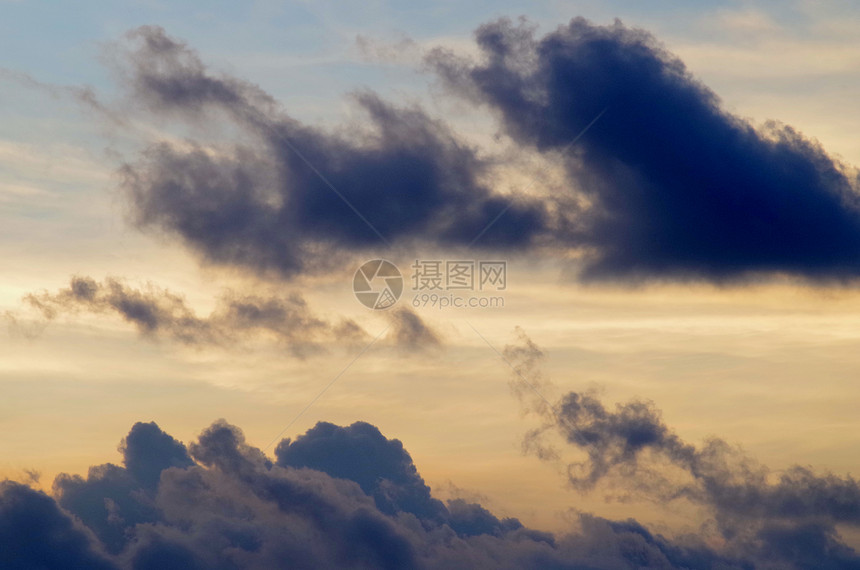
x=674 y=186
x=36 y=533
x=335 y=497
x=381 y=467
x=348 y=497
x=792 y=514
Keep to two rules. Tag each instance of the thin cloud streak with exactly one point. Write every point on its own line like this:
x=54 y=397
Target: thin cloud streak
x=632 y=448
x=236 y=320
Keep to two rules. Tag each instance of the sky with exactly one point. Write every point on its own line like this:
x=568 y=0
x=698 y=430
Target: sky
x=665 y=376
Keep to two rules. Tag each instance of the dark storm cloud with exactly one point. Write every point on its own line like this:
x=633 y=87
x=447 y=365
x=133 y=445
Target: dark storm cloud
x=381 y=467
x=147 y=451
x=677 y=186
x=337 y=497
x=290 y=196
x=809 y=545
x=35 y=533
x=158 y=313
x=111 y=500
x=792 y=514
x=665 y=184
x=384 y=470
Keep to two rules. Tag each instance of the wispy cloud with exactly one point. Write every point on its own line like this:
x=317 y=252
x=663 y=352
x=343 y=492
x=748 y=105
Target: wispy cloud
x=160 y=314
x=236 y=320
x=630 y=446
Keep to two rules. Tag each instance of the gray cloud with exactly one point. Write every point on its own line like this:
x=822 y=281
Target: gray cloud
x=292 y=198
x=670 y=184
x=286 y=198
x=632 y=447
x=158 y=313
x=409 y=331
x=161 y=314
x=403 y=50
x=337 y=497
x=85 y=96
x=36 y=533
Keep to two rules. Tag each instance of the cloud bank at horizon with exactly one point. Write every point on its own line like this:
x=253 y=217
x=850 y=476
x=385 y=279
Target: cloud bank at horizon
x=348 y=497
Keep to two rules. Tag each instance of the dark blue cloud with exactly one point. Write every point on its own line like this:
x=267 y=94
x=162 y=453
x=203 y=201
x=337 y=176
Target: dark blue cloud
x=811 y=545
x=35 y=533
x=678 y=187
x=112 y=500
x=695 y=556
x=231 y=507
x=160 y=554
x=665 y=184
x=353 y=535
x=471 y=519
x=381 y=467
x=109 y=501
x=384 y=470
x=291 y=197
x=147 y=451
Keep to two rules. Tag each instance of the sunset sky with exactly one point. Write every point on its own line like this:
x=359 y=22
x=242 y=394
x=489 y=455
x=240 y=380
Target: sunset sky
x=187 y=192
